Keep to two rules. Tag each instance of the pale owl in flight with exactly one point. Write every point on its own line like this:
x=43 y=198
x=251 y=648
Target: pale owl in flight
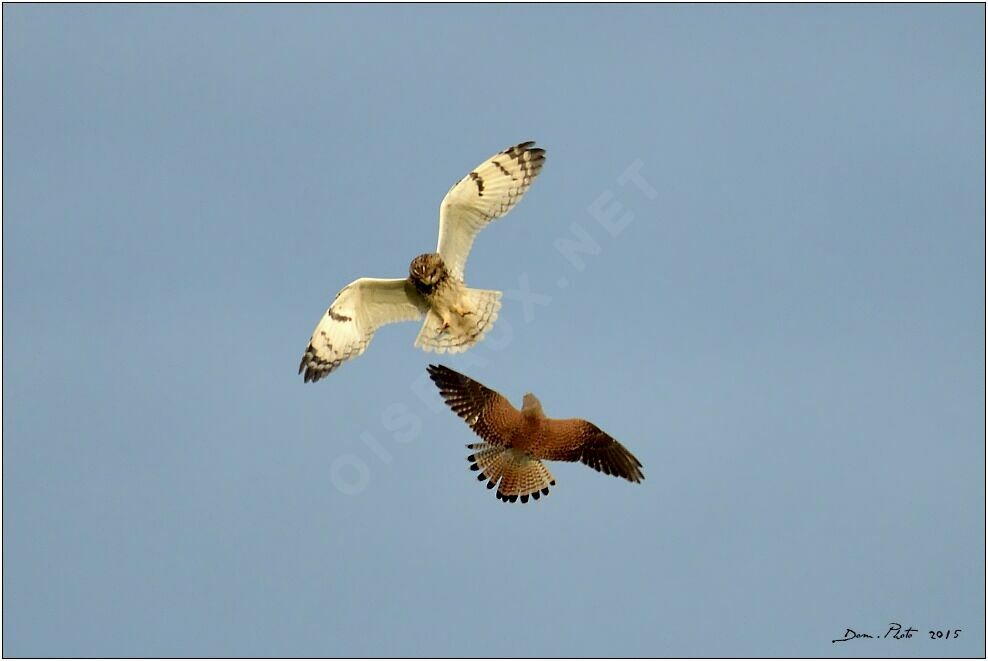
x=516 y=441
x=456 y=316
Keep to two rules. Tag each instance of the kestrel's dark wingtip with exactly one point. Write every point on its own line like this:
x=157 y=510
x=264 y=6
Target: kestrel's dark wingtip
x=435 y=372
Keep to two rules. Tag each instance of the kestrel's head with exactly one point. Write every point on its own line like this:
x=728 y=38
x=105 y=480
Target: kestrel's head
x=426 y=271
x=531 y=404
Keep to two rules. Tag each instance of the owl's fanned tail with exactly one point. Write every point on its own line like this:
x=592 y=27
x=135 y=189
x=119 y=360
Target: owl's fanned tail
x=459 y=332
x=515 y=474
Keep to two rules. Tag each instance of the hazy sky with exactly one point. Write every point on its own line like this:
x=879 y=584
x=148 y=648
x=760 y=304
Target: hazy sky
x=755 y=256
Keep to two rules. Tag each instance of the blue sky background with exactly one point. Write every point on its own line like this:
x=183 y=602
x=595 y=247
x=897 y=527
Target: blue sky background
x=789 y=332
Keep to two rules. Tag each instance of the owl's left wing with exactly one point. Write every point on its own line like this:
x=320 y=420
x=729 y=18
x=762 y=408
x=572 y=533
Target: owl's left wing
x=348 y=325
x=487 y=193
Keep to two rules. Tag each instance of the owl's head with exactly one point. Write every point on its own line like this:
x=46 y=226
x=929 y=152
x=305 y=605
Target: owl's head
x=426 y=271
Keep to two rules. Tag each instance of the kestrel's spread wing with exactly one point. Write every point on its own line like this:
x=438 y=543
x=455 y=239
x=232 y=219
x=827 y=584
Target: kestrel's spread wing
x=579 y=440
x=359 y=309
x=488 y=192
x=490 y=415
x=517 y=440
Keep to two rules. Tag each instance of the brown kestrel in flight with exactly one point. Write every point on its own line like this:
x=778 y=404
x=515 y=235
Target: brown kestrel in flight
x=456 y=316
x=515 y=441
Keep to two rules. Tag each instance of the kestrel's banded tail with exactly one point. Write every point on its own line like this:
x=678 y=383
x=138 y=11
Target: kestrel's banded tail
x=519 y=474
x=516 y=441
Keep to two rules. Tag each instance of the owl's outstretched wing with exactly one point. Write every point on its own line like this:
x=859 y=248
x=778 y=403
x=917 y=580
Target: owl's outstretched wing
x=348 y=325
x=488 y=192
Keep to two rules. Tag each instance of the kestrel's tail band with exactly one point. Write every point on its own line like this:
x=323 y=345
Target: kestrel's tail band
x=515 y=474
x=462 y=331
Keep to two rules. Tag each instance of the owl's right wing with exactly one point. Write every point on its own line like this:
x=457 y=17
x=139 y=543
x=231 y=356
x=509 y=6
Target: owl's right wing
x=359 y=309
x=489 y=191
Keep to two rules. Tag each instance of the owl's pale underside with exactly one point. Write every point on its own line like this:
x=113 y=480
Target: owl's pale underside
x=515 y=442
x=456 y=316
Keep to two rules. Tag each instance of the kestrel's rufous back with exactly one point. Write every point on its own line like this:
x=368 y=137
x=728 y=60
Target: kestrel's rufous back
x=516 y=441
